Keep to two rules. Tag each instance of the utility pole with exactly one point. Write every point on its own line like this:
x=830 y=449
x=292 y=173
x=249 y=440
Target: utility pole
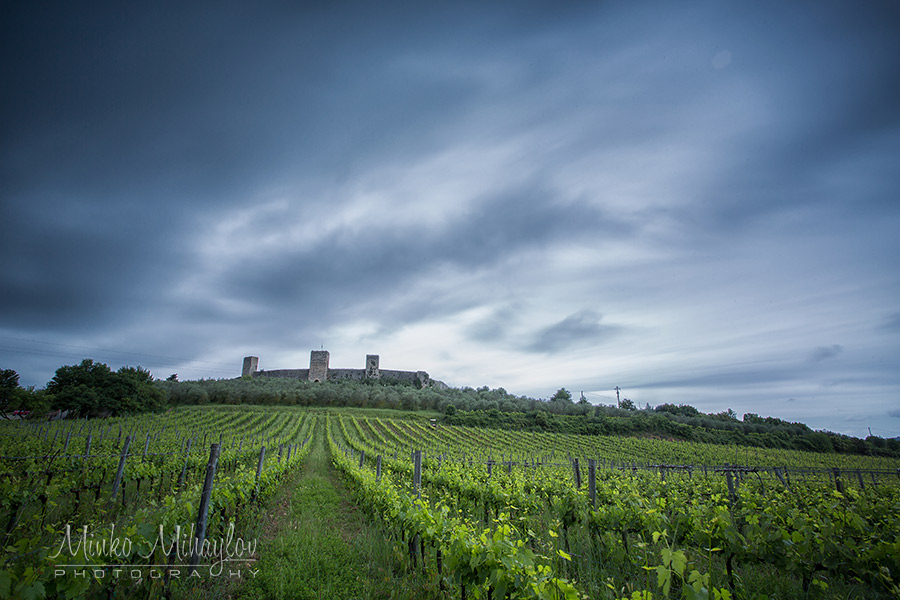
x=618 y=404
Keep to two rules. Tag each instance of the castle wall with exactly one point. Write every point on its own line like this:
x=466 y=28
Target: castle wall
x=404 y=376
x=284 y=373
x=420 y=378
x=319 y=371
x=344 y=374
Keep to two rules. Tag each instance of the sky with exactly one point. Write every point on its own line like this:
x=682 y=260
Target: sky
x=696 y=202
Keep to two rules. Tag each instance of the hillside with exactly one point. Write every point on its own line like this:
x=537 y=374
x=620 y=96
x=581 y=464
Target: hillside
x=484 y=407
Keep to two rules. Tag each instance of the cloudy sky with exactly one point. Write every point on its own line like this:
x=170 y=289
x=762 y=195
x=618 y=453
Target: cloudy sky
x=696 y=202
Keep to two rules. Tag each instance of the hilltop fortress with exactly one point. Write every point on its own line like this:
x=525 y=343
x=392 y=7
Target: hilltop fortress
x=320 y=371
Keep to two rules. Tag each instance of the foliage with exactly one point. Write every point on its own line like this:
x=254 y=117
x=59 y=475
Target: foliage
x=9 y=384
x=682 y=534
x=93 y=389
x=497 y=513
x=477 y=558
x=55 y=485
x=15 y=398
x=682 y=409
x=9 y=380
x=562 y=395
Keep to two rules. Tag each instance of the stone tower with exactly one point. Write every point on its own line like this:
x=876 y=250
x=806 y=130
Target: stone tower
x=318 y=365
x=251 y=364
x=372 y=371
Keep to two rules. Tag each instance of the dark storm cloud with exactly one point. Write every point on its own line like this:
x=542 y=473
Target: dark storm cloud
x=73 y=270
x=726 y=376
x=578 y=329
x=825 y=352
x=111 y=106
x=224 y=97
x=377 y=261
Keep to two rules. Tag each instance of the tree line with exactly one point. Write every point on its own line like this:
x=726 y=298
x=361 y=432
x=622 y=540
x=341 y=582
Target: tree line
x=89 y=389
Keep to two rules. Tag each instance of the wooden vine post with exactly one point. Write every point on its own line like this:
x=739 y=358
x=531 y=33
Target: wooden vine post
x=592 y=481
x=838 y=484
x=200 y=533
x=417 y=473
x=118 y=480
x=417 y=488
x=729 y=479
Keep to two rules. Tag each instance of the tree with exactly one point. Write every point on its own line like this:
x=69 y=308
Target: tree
x=627 y=404
x=135 y=392
x=562 y=395
x=9 y=379
x=725 y=415
x=684 y=410
x=9 y=385
x=81 y=388
x=93 y=389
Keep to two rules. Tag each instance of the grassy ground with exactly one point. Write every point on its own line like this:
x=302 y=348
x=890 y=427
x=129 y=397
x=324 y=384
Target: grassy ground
x=315 y=543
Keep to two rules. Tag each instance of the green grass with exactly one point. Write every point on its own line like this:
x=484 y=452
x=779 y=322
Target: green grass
x=315 y=543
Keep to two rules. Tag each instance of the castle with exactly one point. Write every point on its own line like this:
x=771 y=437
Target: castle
x=320 y=371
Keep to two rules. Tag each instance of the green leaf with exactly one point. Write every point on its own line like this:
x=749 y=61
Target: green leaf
x=679 y=562
x=5 y=583
x=666 y=556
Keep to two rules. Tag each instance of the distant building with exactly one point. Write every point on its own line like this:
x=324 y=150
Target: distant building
x=319 y=370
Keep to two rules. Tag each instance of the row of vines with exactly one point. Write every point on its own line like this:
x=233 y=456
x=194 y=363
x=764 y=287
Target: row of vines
x=113 y=506
x=511 y=510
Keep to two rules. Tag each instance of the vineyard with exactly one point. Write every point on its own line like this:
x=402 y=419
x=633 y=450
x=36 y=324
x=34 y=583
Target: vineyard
x=478 y=513
x=111 y=502
x=544 y=515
